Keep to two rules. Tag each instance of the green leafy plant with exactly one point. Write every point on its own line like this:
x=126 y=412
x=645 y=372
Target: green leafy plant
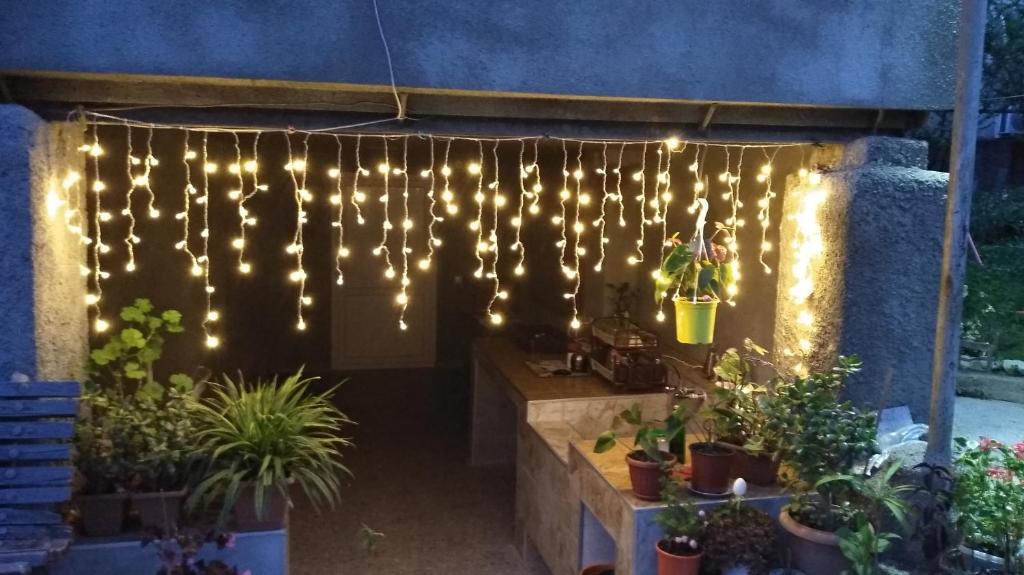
x=622 y=299
x=735 y=408
x=703 y=274
x=648 y=433
x=995 y=299
x=989 y=498
x=863 y=546
x=738 y=535
x=682 y=523
x=269 y=435
x=135 y=433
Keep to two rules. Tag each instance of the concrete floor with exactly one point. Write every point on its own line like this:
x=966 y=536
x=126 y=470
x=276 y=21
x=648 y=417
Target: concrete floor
x=1001 y=420
x=411 y=483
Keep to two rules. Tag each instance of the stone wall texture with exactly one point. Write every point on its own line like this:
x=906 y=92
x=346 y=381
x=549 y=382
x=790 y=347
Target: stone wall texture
x=41 y=295
x=876 y=288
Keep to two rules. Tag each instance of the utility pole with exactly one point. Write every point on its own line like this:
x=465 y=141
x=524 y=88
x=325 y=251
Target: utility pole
x=946 y=358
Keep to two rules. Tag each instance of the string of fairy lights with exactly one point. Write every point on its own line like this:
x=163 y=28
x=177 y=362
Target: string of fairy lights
x=598 y=201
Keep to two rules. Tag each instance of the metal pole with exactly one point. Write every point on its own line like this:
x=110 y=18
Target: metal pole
x=954 y=250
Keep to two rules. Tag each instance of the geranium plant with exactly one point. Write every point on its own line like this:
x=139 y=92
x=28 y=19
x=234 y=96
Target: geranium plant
x=683 y=525
x=989 y=498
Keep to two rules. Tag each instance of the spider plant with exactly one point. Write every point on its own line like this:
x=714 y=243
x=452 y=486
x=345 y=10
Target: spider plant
x=269 y=435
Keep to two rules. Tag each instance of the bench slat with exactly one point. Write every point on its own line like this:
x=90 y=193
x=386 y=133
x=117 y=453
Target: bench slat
x=34 y=495
x=38 y=407
x=34 y=477
x=35 y=452
x=40 y=389
x=37 y=430
x=12 y=516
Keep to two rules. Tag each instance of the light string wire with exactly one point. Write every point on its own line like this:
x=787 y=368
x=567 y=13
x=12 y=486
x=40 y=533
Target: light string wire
x=764 y=215
x=100 y=325
x=338 y=199
x=447 y=196
x=665 y=179
x=497 y=201
x=578 y=227
x=146 y=182
x=384 y=168
x=188 y=191
x=559 y=220
x=618 y=187
x=238 y=195
x=407 y=225
x=517 y=220
x=641 y=176
x=357 y=196
x=476 y=168
x=600 y=222
x=212 y=340
x=297 y=247
x=130 y=238
x=432 y=240
x=75 y=197
x=537 y=187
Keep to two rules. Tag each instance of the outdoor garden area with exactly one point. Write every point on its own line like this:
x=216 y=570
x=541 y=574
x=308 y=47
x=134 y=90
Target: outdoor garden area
x=389 y=287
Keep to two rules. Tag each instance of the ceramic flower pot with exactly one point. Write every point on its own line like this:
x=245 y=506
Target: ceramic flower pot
x=695 y=321
x=756 y=469
x=646 y=476
x=102 y=515
x=814 y=552
x=159 y=509
x=669 y=564
x=274 y=514
x=711 y=466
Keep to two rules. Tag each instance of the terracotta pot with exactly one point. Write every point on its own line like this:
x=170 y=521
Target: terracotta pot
x=712 y=465
x=669 y=564
x=756 y=469
x=274 y=514
x=600 y=569
x=159 y=509
x=102 y=515
x=814 y=552
x=646 y=476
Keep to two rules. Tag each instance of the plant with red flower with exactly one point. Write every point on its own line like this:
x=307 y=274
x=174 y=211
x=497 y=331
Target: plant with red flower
x=989 y=498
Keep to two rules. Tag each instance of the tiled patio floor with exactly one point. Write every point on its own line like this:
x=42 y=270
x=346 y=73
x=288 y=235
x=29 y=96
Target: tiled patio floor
x=411 y=483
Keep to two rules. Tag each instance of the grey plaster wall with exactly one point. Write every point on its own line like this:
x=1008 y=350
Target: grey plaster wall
x=42 y=291
x=877 y=285
x=875 y=54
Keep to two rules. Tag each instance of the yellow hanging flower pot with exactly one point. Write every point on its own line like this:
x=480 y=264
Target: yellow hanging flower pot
x=695 y=321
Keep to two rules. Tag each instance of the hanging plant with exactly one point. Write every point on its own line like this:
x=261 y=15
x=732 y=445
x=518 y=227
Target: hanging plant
x=697 y=275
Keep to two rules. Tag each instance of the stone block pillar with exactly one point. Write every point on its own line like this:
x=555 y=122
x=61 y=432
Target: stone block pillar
x=43 y=320
x=871 y=289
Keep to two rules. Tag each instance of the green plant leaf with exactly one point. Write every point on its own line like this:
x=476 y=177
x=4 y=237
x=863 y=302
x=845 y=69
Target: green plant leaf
x=132 y=338
x=604 y=442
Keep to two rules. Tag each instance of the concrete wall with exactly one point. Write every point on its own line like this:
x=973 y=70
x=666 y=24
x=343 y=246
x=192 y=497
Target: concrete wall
x=877 y=283
x=837 y=53
x=41 y=295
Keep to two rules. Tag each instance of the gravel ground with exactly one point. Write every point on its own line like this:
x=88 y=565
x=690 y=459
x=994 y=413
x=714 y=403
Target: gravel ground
x=1001 y=420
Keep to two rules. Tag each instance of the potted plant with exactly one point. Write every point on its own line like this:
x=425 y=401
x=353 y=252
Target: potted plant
x=988 y=502
x=650 y=460
x=260 y=439
x=739 y=419
x=696 y=276
x=680 y=549
x=711 y=464
x=739 y=540
x=134 y=436
x=103 y=462
x=819 y=436
x=157 y=420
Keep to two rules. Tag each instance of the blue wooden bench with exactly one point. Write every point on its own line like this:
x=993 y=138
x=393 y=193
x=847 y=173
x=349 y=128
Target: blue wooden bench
x=37 y=422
